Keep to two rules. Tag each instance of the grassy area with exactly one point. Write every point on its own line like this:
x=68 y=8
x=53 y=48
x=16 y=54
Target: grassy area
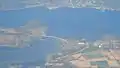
x=90 y=49
x=94 y=55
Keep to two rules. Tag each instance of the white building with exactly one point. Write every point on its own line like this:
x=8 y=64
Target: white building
x=108 y=44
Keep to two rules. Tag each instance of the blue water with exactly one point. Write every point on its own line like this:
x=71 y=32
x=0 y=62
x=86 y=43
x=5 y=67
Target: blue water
x=101 y=64
x=67 y=22
x=35 y=54
x=64 y=22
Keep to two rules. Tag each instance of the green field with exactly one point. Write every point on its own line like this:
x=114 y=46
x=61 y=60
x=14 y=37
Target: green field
x=94 y=55
x=90 y=49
